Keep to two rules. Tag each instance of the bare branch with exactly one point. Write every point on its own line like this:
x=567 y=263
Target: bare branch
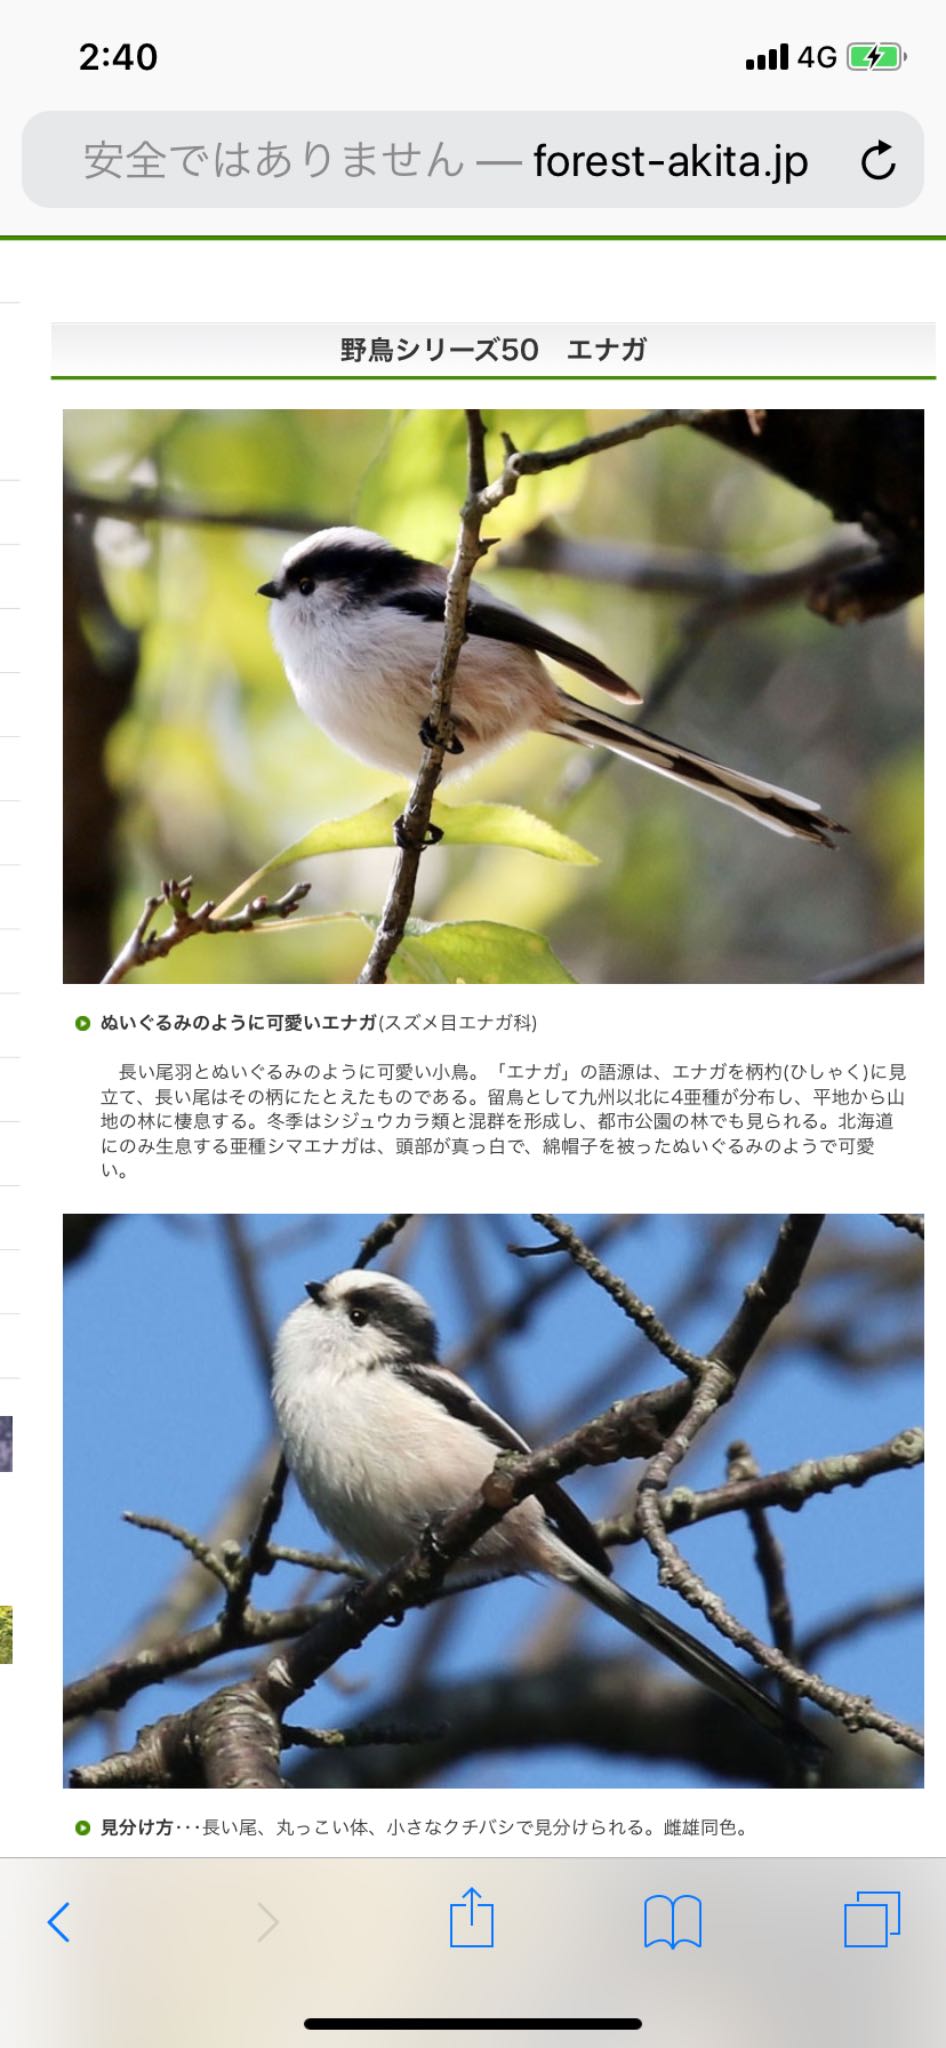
x=377 y=1241
x=916 y=1225
x=233 y=1737
x=760 y=1304
x=260 y=1557
x=318 y=1561
x=138 y=507
x=882 y=966
x=237 y=1627
x=439 y=736
x=770 y=1559
x=725 y=588
x=618 y=1706
x=113 y=1685
x=535 y=462
x=789 y=1489
x=868 y=1614
x=145 y=945
x=439 y=733
x=646 y=1319
x=854 y=1710
x=359 y=1736
x=199 y=1550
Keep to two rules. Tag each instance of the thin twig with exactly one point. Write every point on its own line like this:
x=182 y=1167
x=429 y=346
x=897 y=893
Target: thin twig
x=362 y=1735
x=202 y=1552
x=761 y=1304
x=145 y=945
x=788 y=1489
x=868 y=1614
x=139 y=506
x=318 y=1561
x=645 y=1318
x=112 y=1685
x=535 y=462
x=770 y=1560
x=377 y=1241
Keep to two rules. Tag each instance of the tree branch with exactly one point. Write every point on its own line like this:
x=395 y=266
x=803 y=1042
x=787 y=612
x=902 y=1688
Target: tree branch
x=113 y=1685
x=882 y=966
x=617 y=1706
x=770 y=1560
x=233 y=1737
x=203 y=1553
x=138 y=507
x=144 y=945
x=724 y=588
x=760 y=1305
x=646 y=1319
x=788 y=1489
x=414 y=827
x=483 y=497
x=867 y=1614
x=237 y=1627
x=535 y=462
x=916 y=1225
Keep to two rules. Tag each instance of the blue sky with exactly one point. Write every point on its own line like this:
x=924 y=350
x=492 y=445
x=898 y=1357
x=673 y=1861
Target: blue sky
x=166 y=1407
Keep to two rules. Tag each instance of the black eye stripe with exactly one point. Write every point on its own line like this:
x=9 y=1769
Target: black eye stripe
x=369 y=572
x=409 y=1326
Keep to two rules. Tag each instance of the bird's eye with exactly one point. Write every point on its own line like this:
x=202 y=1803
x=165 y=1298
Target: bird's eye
x=305 y=586
x=358 y=1316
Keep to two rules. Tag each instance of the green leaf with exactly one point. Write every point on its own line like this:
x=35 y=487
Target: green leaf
x=461 y=825
x=508 y=825
x=474 y=951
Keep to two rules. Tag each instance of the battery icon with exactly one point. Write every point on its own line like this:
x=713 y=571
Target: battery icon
x=874 y=56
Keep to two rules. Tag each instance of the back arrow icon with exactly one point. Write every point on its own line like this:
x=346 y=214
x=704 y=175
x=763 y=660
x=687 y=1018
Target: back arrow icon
x=877 y=149
x=273 y=1922
x=55 y=1918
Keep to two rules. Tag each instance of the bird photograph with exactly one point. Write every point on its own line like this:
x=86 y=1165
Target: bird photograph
x=555 y=696
x=485 y=1501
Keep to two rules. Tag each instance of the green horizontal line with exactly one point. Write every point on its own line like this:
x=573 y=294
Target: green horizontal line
x=489 y=377
x=237 y=236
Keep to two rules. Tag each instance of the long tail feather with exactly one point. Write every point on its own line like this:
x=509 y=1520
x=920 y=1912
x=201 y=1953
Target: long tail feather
x=795 y=817
x=683 y=1649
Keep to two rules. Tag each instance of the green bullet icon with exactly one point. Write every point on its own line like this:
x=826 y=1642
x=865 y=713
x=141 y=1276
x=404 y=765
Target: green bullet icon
x=83 y=1827
x=83 y=1023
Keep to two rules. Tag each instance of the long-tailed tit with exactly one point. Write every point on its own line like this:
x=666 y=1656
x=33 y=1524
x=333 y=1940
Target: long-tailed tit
x=359 y=624
x=385 y=1442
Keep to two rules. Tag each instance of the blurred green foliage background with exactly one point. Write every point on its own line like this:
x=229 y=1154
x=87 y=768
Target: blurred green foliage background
x=209 y=767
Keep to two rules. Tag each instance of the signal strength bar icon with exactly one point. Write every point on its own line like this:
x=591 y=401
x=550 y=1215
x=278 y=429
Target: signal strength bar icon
x=777 y=60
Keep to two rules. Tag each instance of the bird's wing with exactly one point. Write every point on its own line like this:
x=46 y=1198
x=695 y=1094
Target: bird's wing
x=459 y=1400
x=491 y=620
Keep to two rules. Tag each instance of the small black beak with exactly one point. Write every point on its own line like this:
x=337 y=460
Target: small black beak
x=315 y=1290
x=269 y=590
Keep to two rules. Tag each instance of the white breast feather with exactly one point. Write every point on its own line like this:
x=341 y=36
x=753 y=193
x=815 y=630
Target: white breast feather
x=376 y=1485
x=363 y=676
